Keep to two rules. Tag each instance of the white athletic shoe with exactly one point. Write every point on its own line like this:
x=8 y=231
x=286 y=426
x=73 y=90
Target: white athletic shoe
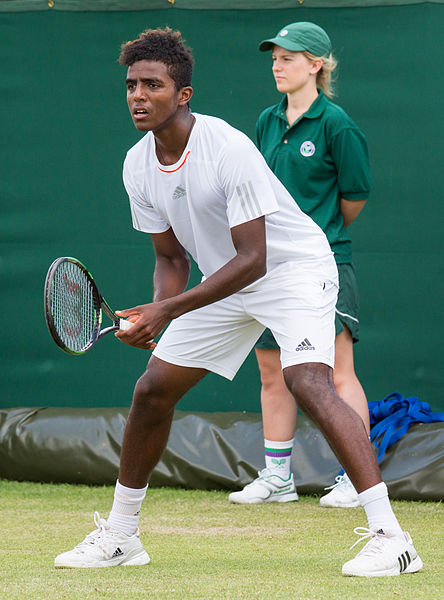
x=104 y=547
x=386 y=554
x=342 y=495
x=268 y=487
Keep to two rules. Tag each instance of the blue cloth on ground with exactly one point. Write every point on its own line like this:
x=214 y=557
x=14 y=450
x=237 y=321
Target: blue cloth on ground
x=392 y=417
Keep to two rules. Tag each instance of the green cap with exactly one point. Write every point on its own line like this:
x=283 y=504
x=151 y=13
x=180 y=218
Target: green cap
x=298 y=37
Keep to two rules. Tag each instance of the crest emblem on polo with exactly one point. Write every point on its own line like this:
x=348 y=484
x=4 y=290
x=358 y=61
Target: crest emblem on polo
x=307 y=148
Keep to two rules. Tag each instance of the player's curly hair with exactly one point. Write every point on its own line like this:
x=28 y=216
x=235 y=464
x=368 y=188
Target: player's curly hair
x=161 y=45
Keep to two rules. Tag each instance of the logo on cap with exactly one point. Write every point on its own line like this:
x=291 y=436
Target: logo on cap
x=307 y=148
x=283 y=32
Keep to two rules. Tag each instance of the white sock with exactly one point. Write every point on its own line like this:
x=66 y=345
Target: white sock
x=278 y=457
x=376 y=503
x=124 y=515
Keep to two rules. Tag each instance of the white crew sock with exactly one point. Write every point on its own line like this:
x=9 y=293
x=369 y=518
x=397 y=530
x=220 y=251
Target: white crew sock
x=124 y=515
x=278 y=457
x=376 y=503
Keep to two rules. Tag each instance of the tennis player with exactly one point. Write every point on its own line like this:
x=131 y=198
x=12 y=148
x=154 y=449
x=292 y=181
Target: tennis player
x=200 y=187
x=321 y=157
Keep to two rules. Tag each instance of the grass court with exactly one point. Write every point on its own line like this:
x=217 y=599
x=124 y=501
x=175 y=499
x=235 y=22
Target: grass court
x=202 y=547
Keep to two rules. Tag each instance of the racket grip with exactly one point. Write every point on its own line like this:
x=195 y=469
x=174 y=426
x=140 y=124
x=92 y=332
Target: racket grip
x=124 y=324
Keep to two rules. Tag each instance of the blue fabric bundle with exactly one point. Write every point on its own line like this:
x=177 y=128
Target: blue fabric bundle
x=392 y=417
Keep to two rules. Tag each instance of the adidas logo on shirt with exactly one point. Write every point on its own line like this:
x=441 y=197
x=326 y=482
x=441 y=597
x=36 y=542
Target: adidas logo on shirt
x=305 y=345
x=179 y=192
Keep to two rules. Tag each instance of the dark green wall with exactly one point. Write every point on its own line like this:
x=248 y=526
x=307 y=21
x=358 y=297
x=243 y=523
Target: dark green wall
x=65 y=131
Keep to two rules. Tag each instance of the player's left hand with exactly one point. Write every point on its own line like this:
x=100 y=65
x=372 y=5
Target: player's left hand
x=149 y=320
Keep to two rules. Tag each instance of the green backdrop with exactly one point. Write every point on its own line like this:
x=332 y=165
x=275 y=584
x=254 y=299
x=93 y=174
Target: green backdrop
x=65 y=131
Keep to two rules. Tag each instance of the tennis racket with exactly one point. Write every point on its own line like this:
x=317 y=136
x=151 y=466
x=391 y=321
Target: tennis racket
x=73 y=307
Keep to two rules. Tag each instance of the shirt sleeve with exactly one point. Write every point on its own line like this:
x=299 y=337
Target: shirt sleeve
x=350 y=154
x=245 y=180
x=144 y=216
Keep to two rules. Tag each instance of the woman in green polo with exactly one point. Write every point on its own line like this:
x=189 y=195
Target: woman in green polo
x=321 y=157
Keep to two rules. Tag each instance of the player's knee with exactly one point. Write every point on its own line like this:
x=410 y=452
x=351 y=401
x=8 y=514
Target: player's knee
x=151 y=396
x=309 y=383
x=301 y=390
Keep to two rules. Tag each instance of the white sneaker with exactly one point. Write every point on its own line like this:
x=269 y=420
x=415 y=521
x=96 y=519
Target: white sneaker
x=342 y=495
x=268 y=487
x=386 y=554
x=104 y=547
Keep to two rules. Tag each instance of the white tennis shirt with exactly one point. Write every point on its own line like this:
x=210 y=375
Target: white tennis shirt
x=220 y=181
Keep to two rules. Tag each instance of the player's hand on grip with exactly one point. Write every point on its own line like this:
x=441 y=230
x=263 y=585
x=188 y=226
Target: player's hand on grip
x=149 y=320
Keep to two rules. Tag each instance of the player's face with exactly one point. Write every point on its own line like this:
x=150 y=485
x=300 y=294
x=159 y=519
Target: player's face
x=293 y=71
x=152 y=97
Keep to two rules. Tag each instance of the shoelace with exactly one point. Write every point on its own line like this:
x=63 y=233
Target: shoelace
x=339 y=480
x=261 y=476
x=95 y=536
x=264 y=473
x=375 y=540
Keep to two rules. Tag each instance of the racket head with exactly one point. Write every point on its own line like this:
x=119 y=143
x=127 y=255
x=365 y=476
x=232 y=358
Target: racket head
x=72 y=306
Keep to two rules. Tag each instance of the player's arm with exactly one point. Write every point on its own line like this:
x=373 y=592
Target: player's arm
x=351 y=209
x=172 y=267
x=248 y=265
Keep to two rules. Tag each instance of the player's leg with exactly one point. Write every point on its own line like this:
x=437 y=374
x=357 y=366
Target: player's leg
x=342 y=493
x=389 y=551
x=116 y=541
x=217 y=337
x=279 y=411
x=313 y=388
x=302 y=322
x=149 y=421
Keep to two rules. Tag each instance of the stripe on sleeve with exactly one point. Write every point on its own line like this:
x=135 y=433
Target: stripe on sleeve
x=255 y=200
x=242 y=201
x=249 y=202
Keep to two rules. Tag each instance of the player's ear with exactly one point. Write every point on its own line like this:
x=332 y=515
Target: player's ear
x=185 y=94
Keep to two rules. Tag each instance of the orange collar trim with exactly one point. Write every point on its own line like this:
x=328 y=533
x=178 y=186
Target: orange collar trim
x=179 y=167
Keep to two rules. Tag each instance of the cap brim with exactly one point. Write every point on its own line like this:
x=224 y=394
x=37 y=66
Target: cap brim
x=282 y=42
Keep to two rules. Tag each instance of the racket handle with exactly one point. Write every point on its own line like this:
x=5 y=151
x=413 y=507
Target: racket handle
x=124 y=325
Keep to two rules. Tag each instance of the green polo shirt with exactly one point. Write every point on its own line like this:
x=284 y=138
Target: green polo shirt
x=320 y=159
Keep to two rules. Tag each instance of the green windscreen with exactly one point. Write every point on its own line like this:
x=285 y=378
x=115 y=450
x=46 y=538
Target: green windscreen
x=120 y=5
x=65 y=132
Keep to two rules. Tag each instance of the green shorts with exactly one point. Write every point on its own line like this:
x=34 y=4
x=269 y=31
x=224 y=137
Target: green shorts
x=346 y=313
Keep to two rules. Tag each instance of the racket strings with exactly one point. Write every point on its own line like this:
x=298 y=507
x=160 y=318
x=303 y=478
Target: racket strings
x=74 y=306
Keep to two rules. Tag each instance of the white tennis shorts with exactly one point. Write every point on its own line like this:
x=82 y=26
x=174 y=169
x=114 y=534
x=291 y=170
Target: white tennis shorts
x=295 y=300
